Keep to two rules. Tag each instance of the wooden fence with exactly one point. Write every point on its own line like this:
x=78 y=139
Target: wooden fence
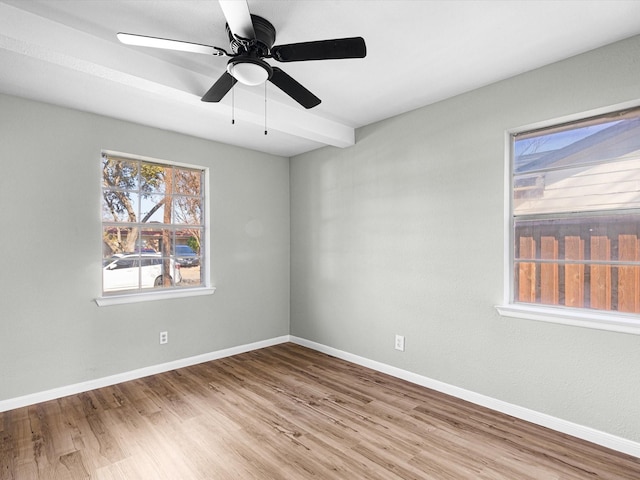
x=579 y=265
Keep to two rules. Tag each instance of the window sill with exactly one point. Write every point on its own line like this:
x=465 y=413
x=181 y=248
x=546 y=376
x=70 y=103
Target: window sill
x=611 y=321
x=151 y=296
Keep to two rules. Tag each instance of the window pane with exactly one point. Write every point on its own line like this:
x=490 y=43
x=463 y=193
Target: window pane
x=120 y=173
x=584 y=226
x=187 y=182
x=187 y=210
x=191 y=276
x=119 y=206
x=119 y=239
x=606 y=186
x=152 y=209
x=589 y=262
x=590 y=168
x=157 y=240
x=614 y=134
x=154 y=178
x=162 y=272
x=121 y=274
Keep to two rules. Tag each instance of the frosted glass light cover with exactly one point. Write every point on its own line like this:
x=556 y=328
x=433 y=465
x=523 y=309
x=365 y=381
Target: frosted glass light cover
x=248 y=73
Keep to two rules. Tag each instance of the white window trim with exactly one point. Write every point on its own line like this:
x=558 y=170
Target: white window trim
x=150 y=296
x=146 y=296
x=614 y=322
x=595 y=319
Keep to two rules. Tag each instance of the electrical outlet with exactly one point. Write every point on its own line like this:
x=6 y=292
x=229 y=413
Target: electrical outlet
x=164 y=338
x=400 y=342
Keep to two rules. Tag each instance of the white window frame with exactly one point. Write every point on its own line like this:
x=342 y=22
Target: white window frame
x=580 y=317
x=145 y=296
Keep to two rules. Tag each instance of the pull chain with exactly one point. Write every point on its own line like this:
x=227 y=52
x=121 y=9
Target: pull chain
x=265 y=108
x=233 y=106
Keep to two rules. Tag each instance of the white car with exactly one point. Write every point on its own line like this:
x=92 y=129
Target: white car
x=132 y=271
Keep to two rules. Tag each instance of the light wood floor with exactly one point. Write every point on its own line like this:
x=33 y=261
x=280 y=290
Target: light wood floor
x=286 y=412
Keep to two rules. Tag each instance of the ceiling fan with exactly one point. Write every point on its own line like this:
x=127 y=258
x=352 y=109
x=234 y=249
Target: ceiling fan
x=251 y=40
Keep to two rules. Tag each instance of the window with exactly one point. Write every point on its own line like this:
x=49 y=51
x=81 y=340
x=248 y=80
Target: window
x=575 y=208
x=153 y=226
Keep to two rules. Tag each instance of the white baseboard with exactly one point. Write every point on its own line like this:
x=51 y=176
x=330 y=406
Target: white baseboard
x=586 y=433
x=52 y=394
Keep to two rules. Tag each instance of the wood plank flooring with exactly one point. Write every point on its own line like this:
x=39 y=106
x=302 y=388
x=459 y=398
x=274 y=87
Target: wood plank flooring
x=286 y=412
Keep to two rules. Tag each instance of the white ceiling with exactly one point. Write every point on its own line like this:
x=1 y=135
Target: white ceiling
x=418 y=52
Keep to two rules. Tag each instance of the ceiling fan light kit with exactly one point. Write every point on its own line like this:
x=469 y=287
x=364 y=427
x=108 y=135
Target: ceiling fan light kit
x=249 y=71
x=251 y=39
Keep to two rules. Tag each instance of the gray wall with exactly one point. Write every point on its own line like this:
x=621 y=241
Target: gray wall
x=403 y=233
x=52 y=334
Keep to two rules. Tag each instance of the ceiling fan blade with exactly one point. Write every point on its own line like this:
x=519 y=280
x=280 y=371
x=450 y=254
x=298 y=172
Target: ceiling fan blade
x=238 y=18
x=220 y=88
x=320 y=50
x=292 y=88
x=165 y=43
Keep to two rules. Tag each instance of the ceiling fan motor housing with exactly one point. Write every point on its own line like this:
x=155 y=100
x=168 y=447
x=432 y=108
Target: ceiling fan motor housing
x=261 y=45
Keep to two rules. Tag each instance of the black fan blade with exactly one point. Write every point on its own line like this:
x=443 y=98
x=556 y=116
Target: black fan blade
x=292 y=88
x=320 y=50
x=220 y=88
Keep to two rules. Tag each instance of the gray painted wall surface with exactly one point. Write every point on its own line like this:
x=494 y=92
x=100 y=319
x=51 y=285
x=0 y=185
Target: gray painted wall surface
x=403 y=234
x=52 y=334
